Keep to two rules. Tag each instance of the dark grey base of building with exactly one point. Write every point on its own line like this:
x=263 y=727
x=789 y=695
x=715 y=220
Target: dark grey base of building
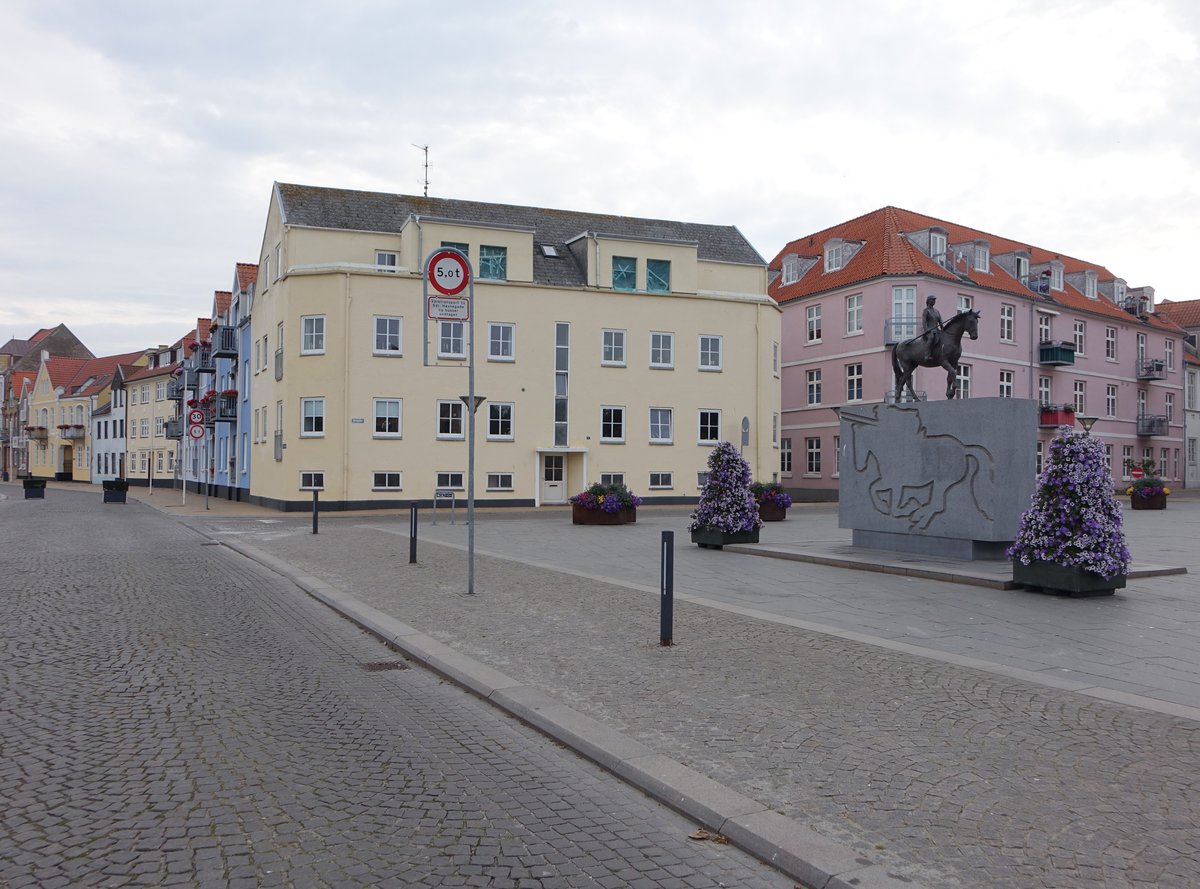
x=942 y=547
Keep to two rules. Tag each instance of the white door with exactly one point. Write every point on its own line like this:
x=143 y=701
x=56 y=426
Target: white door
x=553 y=485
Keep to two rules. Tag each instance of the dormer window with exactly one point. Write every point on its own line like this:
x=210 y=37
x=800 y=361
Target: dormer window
x=791 y=269
x=1118 y=291
x=982 y=256
x=937 y=247
x=1056 y=275
x=1089 y=284
x=1022 y=268
x=835 y=256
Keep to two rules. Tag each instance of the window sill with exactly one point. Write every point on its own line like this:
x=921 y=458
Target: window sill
x=451 y=357
x=812 y=475
x=451 y=437
x=653 y=442
x=308 y=435
x=317 y=352
x=499 y=360
x=709 y=370
x=613 y=364
x=662 y=366
x=612 y=441
x=387 y=436
x=499 y=438
x=389 y=490
x=388 y=354
x=851 y=333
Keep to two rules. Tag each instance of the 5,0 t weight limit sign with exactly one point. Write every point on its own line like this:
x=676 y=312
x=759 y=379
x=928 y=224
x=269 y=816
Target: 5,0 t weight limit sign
x=448 y=272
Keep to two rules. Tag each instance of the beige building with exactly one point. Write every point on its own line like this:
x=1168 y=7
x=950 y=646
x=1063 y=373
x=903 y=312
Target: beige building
x=150 y=452
x=606 y=348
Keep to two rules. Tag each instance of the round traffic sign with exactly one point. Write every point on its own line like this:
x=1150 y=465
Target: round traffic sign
x=196 y=416
x=195 y=432
x=448 y=271
x=1137 y=472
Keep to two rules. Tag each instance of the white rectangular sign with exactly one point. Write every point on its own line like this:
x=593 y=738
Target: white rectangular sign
x=448 y=308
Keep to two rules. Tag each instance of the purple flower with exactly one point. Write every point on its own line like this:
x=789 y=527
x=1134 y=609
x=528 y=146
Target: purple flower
x=727 y=503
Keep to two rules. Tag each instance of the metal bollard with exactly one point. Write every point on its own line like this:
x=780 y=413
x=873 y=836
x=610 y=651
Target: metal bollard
x=667 y=586
x=316 y=493
x=412 y=534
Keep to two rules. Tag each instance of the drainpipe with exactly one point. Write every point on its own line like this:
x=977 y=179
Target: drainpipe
x=345 y=391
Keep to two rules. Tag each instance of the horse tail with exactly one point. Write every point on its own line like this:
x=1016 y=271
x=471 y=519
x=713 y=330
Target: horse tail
x=976 y=465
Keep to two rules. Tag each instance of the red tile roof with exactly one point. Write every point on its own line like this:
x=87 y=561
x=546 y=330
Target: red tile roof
x=92 y=374
x=886 y=251
x=145 y=373
x=247 y=274
x=1185 y=313
x=221 y=301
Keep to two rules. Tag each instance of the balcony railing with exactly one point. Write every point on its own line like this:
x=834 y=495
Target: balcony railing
x=201 y=359
x=73 y=433
x=173 y=428
x=1052 y=353
x=225 y=342
x=38 y=433
x=896 y=330
x=1152 y=425
x=1055 y=415
x=279 y=445
x=279 y=364
x=225 y=409
x=1152 y=369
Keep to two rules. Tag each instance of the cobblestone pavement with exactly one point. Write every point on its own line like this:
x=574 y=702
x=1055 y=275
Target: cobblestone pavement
x=172 y=714
x=954 y=776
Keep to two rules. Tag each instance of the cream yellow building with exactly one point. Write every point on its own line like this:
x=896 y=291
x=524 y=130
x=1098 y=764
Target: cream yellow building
x=606 y=348
x=150 y=453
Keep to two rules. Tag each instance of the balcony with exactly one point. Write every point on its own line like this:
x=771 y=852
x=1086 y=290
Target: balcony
x=38 y=433
x=225 y=342
x=4 y=435
x=173 y=428
x=225 y=409
x=896 y=330
x=74 y=432
x=1056 y=354
x=1152 y=424
x=1152 y=369
x=180 y=383
x=200 y=359
x=1055 y=415
x=278 y=364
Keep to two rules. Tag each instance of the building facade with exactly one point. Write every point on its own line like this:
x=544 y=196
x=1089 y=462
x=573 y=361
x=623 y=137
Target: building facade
x=606 y=349
x=1065 y=332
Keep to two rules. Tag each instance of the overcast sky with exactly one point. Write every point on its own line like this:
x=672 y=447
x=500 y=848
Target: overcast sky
x=139 y=138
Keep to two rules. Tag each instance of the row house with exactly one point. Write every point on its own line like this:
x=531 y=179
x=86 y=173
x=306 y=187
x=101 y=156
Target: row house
x=1186 y=313
x=19 y=364
x=153 y=421
x=1060 y=330
x=61 y=401
x=606 y=348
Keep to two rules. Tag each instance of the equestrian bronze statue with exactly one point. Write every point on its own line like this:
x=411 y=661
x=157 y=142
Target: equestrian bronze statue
x=934 y=349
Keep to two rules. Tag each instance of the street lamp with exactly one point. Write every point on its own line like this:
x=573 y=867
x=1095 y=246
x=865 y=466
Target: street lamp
x=1087 y=423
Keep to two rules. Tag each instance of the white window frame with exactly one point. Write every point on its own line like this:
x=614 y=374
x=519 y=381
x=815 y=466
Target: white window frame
x=447 y=333
x=376 y=403
x=305 y=416
x=1110 y=401
x=1007 y=381
x=606 y=424
x=981 y=259
x=938 y=247
x=450 y=411
x=705 y=356
x=315 y=480
x=385 y=486
x=1045 y=327
x=312 y=334
x=661 y=481
x=1110 y=343
x=1079 y=331
x=499 y=481
x=851 y=377
x=785 y=457
x=661 y=341
x=813 y=386
x=501 y=327
x=854 y=314
x=511 y=420
x=612 y=342
x=1079 y=393
x=450 y=479
x=813 y=325
x=386 y=261
x=654 y=428
x=963 y=381
x=812 y=456
x=1008 y=315
x=791 y=270
x=387 y=335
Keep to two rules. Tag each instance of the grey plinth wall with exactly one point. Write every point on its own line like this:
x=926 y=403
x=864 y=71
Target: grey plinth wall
x=940 y=478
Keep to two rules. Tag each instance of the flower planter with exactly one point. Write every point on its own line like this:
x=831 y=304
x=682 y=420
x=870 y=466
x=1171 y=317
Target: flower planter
x=771 y=512
x=1069 y=579
x=115 y=490
x=35 y=488
x=1154 y=501
x=581 y=516
x=714 y=538
x=628 y=515
x=115 y=496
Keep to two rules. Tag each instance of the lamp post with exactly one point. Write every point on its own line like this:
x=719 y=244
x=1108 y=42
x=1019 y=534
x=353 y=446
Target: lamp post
x=1087 y=423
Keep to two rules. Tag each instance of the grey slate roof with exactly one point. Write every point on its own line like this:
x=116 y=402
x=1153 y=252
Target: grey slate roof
x=335 y=208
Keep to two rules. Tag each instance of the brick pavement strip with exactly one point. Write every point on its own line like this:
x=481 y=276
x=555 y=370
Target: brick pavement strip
x=938 y=773
x=173 y=714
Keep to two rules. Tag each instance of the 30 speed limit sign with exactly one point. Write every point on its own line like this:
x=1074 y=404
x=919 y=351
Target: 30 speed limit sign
x=195 y=416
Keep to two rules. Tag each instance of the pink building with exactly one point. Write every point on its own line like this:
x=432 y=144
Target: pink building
x=1061 y=330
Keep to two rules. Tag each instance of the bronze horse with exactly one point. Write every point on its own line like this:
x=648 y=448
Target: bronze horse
x=910 y=354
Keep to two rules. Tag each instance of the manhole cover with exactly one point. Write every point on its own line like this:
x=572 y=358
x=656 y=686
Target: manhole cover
x=380 y=666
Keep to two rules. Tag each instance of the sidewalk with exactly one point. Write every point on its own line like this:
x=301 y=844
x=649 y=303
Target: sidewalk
x=794 y=712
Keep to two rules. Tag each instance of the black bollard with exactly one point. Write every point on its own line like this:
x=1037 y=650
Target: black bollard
x=412 y=534
x=316 y=493
x=667 y=585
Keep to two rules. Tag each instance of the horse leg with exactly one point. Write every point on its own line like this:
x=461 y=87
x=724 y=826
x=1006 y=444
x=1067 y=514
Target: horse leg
x=951 y=382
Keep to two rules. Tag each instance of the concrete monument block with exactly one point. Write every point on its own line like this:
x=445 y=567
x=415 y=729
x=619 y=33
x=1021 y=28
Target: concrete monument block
x=940 y=478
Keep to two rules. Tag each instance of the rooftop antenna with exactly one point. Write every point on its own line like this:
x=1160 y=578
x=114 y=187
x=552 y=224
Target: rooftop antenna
x=424 y=148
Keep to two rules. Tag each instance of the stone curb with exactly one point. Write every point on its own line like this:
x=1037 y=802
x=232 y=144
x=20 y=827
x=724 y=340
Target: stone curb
x=781 y=842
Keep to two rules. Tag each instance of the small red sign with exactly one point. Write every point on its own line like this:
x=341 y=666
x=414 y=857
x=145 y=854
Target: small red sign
x=448 y=272
x=1137 y=472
